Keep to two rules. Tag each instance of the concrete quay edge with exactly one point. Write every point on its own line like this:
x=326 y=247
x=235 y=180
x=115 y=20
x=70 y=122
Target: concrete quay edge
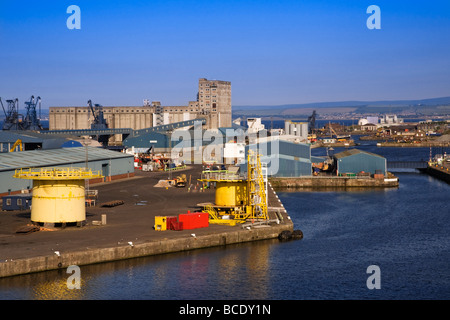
x=126 y=251
x=313 y=182
x=438 y=172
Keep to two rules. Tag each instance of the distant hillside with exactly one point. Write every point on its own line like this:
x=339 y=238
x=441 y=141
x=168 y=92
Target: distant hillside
x=423 y=106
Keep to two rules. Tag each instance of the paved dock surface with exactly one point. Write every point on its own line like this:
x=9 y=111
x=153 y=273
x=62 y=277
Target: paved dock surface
x=131 y=222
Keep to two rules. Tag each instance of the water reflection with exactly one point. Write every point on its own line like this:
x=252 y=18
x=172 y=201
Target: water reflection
x=185 y=275
x=334 y=189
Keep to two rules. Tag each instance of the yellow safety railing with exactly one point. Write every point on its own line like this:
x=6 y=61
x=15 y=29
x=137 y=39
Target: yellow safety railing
x=220 y=176
x=257 y=208
x=57 y=174
x=214 y=217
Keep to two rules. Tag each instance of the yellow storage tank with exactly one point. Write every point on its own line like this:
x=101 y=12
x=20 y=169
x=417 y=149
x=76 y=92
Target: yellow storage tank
x=58 y=201
x=58 y=193
x=231 y=193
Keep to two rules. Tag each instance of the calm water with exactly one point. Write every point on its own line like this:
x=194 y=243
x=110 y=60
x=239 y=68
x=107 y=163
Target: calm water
x=404 y=231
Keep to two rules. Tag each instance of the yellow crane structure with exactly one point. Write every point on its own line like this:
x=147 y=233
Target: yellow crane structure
x=16 y=144
x=239 y=199
x=340 y=138
x=59 y=194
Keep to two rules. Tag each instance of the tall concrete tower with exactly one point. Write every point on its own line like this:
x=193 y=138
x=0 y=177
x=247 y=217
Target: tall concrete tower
x=214 y=99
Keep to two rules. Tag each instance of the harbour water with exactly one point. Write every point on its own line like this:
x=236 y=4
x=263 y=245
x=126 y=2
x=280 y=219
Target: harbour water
x=403 y=231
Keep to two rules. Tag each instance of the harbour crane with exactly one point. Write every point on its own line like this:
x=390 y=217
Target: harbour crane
x=11 y=121
x=99 y=119
x=312 y=122
x=18 y=143
x=339 y=137
x=31 y=121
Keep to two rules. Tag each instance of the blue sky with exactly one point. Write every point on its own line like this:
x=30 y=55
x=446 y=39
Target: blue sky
x=273 y=52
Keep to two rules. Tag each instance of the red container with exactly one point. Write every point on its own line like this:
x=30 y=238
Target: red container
x=173 y=224
x=194 y=220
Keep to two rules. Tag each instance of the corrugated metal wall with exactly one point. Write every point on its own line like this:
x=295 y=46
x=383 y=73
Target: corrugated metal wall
x=284 y=159
x=361 y=162
x=107 y=167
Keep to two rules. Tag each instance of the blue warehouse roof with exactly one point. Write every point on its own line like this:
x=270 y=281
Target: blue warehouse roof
x=55 y=157
x=351 y=152
x=12 y=136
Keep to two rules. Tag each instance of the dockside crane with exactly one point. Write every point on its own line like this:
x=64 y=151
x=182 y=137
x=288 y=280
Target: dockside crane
x=19 y=144
x=12 y=121
x=99 y=119
x=312 y=122
x=339 y=137
x=31 y=121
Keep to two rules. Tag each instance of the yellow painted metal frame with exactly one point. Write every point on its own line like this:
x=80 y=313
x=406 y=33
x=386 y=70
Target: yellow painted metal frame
x=214 y=217
x=256 y=207
x=18 y=143
x=57 y=174
x=257 y=202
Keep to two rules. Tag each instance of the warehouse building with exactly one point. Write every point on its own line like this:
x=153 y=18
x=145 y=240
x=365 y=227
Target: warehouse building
x=283 y=158
x=355 y=161
x=29 y=140
x=113 y=165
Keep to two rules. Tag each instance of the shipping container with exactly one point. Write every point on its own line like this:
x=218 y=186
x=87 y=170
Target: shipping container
x=17 y=202
x=173 y=224
x=194 y=220
x=160 y=223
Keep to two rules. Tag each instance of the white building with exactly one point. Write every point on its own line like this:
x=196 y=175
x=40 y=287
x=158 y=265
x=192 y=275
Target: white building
x=390 y=119
x=297 y=129
x=367 y=120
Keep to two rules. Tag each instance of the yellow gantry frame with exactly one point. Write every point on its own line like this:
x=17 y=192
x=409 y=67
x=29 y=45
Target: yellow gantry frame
x=18 y=143
x=57 y=174
x=257 y=201
x=256 y=207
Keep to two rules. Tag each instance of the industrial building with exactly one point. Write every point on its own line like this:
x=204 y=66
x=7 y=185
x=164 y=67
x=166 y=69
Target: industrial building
x=355 y=161
x=30 y=140
x=298 y=130
x=213 y=104
x=20 y=201
x=113 y=165
x=283 y=158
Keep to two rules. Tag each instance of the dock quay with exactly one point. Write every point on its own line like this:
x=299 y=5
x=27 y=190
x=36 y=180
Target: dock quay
x=425 y=144
x=441 y=172
x=127 y=231
x=334 y=181
x=334 y=145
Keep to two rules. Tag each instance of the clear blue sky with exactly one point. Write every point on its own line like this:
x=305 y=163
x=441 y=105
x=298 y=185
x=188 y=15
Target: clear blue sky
x=273 y=52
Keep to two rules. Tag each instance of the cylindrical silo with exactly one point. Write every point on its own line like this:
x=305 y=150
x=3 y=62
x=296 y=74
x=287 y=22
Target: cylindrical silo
x=298 y=127
x=287 y=127
x=58 y=201
x=305 y=130
x=58 y=193
x=293 y=129
x=231 y=194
